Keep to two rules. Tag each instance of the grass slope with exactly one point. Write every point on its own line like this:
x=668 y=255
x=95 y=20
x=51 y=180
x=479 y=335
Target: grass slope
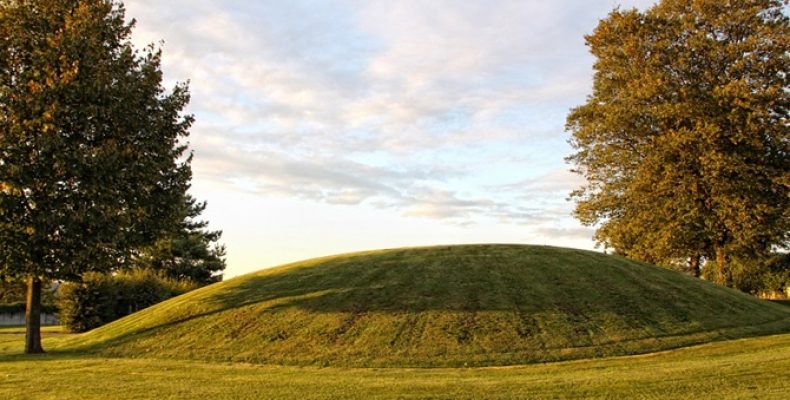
x=473 y=305
x=754 y=368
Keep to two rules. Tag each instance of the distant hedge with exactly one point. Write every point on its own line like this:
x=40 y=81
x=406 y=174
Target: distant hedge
x=103 y=298
x=18 y=307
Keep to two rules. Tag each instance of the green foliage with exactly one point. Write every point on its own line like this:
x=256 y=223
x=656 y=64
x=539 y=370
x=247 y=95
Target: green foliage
x=443 y=306
x=192 y=252
x=684 y=141
x=90 y=160
x=776 y=275
x=101 y=298
x=760 y=276
x=13 y=292
x=86 y=305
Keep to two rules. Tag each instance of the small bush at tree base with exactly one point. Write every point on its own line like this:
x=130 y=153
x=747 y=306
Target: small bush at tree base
x=767 y=277
x=102 y=298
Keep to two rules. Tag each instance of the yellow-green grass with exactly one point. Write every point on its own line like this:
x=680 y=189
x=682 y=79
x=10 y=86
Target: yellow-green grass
x=754 y=368
x=477 y=305
x=21 y=329
x=11 y=337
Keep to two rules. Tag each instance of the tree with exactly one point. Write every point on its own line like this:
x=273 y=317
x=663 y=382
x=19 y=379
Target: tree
x=14 y=292
x=11 y=291
x=684 y=141
x=91 y=164
x=767 y=276
x=191 y=253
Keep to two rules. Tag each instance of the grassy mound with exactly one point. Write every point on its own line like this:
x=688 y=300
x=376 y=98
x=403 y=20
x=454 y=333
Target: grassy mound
x=441 y=306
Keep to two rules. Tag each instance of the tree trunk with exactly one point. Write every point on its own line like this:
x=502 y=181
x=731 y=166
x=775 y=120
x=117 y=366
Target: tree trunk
x=694 y=265
x=722 y=272
x=33 y=317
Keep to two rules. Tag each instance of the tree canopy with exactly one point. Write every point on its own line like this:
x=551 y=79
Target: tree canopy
x=684 y=140
x=91 y=160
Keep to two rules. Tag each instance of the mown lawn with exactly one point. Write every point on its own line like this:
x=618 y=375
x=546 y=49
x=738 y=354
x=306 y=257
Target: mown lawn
x=747 y=368
x=444 y=306
x=381 y=318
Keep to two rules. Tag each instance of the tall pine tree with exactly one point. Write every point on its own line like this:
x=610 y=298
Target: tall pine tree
x=191 y=252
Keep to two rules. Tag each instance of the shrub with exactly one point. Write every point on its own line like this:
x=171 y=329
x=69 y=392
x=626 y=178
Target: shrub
x=102 y=298
x=87 y=304
x=765 y=277
x=776 y=279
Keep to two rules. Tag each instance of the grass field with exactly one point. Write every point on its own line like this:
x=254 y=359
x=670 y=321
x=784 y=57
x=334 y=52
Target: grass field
x=755 y=368
x=463 y=322
x=477 y=305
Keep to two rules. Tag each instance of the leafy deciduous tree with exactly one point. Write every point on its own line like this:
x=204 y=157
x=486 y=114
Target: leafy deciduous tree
x=91 y=164
x=684 y=141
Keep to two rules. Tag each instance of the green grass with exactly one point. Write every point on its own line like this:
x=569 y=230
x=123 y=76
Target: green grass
x=785 y=302
x=11 y=337
x=480 y=305
x=21 y=329
x=463 y=306
x=756 y=368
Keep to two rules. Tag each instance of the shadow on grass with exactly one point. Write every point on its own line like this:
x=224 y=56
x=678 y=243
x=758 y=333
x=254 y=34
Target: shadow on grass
x=785 y=302
x=49 y=356
x=522 y=280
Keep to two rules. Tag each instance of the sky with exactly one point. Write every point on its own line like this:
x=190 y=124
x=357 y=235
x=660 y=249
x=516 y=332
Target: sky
x=327 y=127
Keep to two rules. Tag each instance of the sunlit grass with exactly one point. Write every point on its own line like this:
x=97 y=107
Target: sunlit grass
x=21 y=329
x=479 y=305
x=745 y=368
x=445 y=306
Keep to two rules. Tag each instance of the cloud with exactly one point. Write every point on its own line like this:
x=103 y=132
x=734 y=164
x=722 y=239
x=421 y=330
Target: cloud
x=560 y=180
x=567 y=233
x=405 y=105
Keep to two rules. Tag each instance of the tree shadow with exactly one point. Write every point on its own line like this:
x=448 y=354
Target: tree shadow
x=472 y=280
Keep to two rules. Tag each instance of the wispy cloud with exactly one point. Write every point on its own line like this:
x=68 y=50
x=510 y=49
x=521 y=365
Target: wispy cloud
x=443 y=109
